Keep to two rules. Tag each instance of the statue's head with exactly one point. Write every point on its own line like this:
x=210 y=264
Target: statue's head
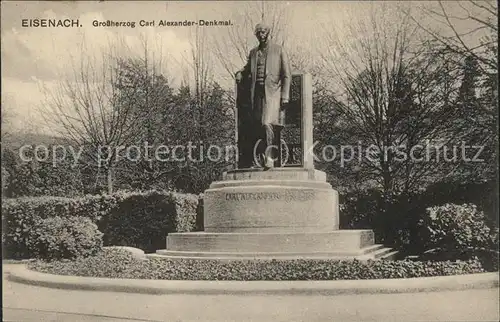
x=262 y=32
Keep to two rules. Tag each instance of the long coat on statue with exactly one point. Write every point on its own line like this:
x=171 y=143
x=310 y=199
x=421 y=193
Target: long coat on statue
x=277 y=82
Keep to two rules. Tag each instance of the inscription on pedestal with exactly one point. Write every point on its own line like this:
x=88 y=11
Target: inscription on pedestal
x=301 y=195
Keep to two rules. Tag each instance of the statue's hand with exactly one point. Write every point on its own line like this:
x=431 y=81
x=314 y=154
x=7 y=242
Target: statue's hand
x=238 y=77
x=284 y=101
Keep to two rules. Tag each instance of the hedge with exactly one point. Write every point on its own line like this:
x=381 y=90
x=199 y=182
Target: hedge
x=21 y=215
x=455 y=231
x=144 y=219
x=92 y=207
x=116 y=263
x=136 y=219
x=446 y=232
x=64 y=238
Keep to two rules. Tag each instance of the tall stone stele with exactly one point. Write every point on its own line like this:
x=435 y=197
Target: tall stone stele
x=287 y=212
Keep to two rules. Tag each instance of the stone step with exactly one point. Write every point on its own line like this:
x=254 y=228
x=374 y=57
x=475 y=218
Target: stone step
x=381 y=253
x=390 y=255
x=297 y=242
x=234 y=258
x=345 y=254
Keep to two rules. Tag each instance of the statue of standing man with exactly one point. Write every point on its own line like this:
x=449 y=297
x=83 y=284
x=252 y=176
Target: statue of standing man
x=266 y=79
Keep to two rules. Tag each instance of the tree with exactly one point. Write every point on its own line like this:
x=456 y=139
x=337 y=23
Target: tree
x=16 y=125
x=143 y=78
x=7 y=117
x=468 y=31
x=457 y=26
x=92 y=111
x=9 y=163
x=204 y=116
x=42 y=176
x=476 y=124
x=391 y=94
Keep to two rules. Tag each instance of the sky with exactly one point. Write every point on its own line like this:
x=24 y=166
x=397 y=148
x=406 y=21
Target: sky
x=35 y=60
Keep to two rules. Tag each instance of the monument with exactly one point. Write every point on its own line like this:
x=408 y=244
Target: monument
x=275 y=205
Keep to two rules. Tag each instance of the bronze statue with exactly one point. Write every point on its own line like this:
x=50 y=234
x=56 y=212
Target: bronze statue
x=263 y=92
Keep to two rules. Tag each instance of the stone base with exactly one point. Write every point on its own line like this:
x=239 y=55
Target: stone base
x=278 y=200
x=283 y=213
x=339 y=244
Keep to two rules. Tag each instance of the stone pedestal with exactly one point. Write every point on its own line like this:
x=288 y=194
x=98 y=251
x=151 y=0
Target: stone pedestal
x=285 y=213
x=288 y=212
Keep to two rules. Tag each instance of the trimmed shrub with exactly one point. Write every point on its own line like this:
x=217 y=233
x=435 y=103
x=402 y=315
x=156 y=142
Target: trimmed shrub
x=457 y=229
x=359 y=210
x=406 y=223
x=391 y=218
x=140 y=220
x=144 y=219
x=93 y=207
x=20 y=216
x=484 y=194
x=114 y=263
x=16 y=225
x=64 y=238
x=458 y=232
x=136 y=219
x=186 y=207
